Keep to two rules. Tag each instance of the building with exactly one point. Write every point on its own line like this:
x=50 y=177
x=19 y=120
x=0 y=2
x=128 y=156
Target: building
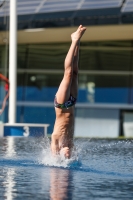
x=105 y=101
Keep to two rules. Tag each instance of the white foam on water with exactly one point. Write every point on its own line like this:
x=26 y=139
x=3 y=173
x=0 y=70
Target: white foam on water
x=48 y=159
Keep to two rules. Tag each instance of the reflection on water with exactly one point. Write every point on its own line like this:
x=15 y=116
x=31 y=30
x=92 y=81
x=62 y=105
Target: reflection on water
x=9 y=183
x=60 y=181
x=9 y=147
x=99 y=169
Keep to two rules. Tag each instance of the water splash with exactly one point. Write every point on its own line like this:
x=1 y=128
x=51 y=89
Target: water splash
x=48 y=159
x=93 y=154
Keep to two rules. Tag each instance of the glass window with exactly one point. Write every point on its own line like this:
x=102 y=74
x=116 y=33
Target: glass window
x=103 y=58
x=103 y=89
x=39 y=80
x=107 y=56
x=37 y=87
x=49 y=56
x=104 y=76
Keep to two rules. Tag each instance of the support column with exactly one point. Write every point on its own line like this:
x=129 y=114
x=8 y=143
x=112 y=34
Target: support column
x=13 y=61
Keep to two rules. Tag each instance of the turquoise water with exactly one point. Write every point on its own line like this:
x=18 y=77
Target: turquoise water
x=99 y=169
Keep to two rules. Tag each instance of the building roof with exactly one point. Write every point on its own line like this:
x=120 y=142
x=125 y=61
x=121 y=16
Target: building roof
x=62 y=13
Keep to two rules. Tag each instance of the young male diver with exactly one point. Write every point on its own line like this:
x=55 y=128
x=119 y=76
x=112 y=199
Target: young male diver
x=65 y=99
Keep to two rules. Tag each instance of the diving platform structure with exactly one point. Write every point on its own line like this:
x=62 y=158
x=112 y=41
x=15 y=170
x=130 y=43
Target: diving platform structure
x=12 y=128
x=23 y=130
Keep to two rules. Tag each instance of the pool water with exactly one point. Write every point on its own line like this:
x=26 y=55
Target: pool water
x=99 y=169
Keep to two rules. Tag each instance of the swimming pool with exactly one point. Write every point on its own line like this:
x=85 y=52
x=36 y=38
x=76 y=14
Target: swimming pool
x=100 y=169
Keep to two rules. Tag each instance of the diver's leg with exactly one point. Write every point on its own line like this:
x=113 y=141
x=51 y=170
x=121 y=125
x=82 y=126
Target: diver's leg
x=74 y=85
x=64 y=90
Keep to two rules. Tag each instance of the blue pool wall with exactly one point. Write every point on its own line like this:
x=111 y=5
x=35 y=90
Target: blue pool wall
x=101 y=95
x=46 y=114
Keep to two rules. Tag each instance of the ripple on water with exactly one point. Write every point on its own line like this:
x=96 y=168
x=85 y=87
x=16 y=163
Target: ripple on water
x=109 y=157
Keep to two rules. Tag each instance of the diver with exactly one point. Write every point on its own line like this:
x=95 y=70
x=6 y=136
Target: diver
x=65 y=99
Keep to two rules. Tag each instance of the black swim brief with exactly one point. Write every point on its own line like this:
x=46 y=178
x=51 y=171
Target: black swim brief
x=71 y=101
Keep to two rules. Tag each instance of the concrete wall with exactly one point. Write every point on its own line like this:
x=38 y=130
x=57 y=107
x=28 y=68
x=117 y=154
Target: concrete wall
x=97 y=122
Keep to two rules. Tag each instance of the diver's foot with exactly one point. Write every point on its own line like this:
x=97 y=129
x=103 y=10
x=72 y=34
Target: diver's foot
x=65 y=151
x=76 y=36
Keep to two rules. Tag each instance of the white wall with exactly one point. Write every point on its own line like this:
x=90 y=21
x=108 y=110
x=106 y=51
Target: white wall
x=97 y=123
x=128 y=124
x=1 y=130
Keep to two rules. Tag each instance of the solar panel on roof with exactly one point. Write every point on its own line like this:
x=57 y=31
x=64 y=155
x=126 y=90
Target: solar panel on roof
x=106 y=1
x=28 y=11
x=25 y=8
x=1 y=13
x=128 y=3
x=128 y=6
x=58 y=3
x=49 y=9
x=58 y=6
x=45 y=6
x=68 y=1
x=127 y=9
x=30 y=1
x=22 y=6
x=100 y=5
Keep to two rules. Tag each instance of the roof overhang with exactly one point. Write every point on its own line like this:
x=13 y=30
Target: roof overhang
x=54 y=35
